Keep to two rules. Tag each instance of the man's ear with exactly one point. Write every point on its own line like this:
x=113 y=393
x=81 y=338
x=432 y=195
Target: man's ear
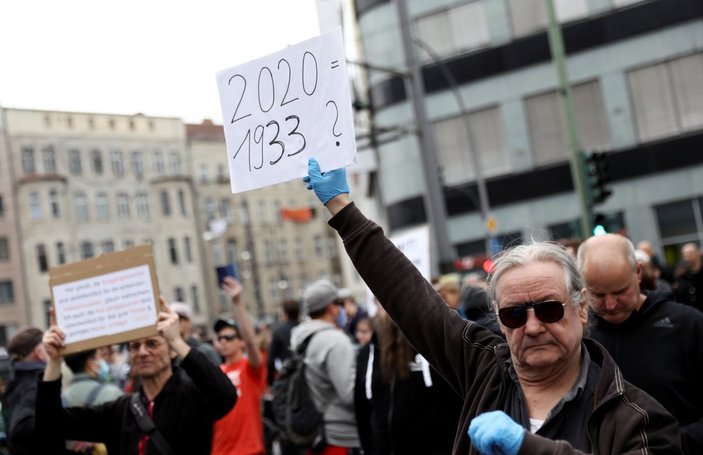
x=173 y=354
x=40 y=353
x=584 y=305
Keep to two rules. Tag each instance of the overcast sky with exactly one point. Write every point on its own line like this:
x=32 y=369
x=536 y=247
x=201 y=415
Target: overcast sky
x=156 y=57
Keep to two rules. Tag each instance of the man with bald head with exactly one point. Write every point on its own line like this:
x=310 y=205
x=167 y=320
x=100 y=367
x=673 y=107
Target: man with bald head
x=658 y=344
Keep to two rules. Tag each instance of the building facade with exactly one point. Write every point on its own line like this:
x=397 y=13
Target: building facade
x=86 y=184
x=277 y=237
x=12 y=297
x=636 y=72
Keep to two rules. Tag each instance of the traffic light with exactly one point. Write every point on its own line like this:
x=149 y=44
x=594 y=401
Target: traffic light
x=594 y=168
x=600 y=226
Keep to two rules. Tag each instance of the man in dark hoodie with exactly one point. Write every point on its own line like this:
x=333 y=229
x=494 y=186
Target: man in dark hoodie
x=28 y=361
x=658 y=344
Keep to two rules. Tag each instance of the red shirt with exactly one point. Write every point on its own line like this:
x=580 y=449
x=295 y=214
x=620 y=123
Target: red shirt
x=241 y=432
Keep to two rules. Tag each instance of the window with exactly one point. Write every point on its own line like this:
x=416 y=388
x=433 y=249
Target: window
x=203 y=173
x=268 y=251
x=173 y=250
x=28 y=160
x=60 y=253
x=244 y=213
x=122 y=206
x=86 y=250
x=4 y=249
x=667 y=98
x=81 y=206
x=231 y=250
x=226 y=209
x=454 y=152
x=187 y=250
x=49 y=157
x=7 y=293
x=263 y=216
x=453 y=30
x=74 y=162
x=42 y=261
x=194 y=297
x=143 y=206
x=117 y=163
x=175 y=163
x=128 y=243
x=54 y=204
x=165 y=203
x=283 y=250
x=158 y=164
x=182 y=202
x=319 y=246
x=529 y=16
x=96 y=158
x=299 y=249
x=221 y=176
x=210 y=209
x=547 y=126
x=107 y=246
x=178 y=294
x=102 y=208
x=2 y=207
x=277 y=211
x=137 y=163
x=35 y=205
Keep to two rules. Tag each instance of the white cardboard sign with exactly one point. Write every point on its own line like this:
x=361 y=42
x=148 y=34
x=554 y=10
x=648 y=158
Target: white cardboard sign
x=281 y=109
x=415 y=244
x=105 y=304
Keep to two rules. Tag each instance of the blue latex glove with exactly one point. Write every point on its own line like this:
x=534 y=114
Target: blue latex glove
x=495 y=433
x=327 y=185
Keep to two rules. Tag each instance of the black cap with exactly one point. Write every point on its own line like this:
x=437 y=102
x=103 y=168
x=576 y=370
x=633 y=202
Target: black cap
x=221 y=323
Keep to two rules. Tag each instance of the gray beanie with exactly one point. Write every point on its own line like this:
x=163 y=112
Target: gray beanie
x=318 y=295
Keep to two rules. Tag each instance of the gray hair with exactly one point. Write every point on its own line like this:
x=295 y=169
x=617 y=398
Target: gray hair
x=522 y=255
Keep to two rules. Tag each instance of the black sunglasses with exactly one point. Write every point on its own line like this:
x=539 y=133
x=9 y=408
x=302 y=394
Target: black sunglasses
x=515 y=316
x=227 y=337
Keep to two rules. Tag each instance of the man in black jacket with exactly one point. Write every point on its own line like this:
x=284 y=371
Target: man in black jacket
x=28 y=357
x=658 y=344
x=182 y=408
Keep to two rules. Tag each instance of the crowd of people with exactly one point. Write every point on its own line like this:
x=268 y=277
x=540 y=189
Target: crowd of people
x=579 y=347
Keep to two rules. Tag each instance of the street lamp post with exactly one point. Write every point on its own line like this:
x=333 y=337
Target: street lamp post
x=435 y=207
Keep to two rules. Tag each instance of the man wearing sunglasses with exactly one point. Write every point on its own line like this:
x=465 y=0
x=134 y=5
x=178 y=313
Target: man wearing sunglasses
x=182 y=407
x=657 y=343
x=242 y=430
x=548 y=389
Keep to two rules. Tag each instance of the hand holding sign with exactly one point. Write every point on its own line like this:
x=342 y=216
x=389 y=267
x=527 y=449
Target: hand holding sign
x=280 y=109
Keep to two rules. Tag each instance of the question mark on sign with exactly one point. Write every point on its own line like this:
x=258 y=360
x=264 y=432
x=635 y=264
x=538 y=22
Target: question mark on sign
x=336 y=117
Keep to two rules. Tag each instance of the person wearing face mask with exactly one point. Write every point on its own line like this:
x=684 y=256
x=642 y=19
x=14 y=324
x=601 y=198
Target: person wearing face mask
x=330 y=360
x=90 y=386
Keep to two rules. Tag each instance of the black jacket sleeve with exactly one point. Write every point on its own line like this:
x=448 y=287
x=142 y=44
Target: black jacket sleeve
x=217 y=390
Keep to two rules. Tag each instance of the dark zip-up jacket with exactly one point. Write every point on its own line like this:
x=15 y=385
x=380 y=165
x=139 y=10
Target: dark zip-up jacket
x=184 y=412
x=18 y=408
x=473 y=360
x=659 y=348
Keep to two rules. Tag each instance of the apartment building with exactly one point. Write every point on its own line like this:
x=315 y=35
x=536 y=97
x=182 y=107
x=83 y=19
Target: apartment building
x=636 y=72
x=85 y=184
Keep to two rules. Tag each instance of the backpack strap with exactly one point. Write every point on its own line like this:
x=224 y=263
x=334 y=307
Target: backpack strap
x=302 y=347
x=94 y=392
x=147 y=425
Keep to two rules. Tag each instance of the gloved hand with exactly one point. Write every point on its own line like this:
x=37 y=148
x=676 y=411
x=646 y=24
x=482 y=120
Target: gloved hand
x=327 y=185
x=495 y=433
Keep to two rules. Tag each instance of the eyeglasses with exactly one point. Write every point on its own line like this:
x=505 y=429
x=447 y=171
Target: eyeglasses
x=229 y=337
x=515 y=316
x=150 y=345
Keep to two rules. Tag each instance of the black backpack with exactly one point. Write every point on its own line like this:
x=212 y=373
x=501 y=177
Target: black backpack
x=299 y=422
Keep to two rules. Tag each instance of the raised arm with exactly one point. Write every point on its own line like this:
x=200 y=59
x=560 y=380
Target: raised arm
x=233 y=289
